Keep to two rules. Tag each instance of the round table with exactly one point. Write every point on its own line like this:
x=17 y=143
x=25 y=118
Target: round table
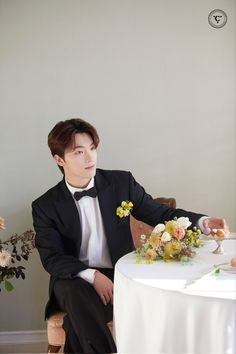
x=171 y=308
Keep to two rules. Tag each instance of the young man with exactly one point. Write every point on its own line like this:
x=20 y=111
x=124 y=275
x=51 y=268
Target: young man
x=79 y=236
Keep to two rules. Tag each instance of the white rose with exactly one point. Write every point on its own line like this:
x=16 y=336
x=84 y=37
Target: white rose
x=183 y=222
x=159 y=228
x=165 y=237
x=5 y=258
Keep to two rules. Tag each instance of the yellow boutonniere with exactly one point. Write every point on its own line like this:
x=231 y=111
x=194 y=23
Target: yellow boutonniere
x=124 y=209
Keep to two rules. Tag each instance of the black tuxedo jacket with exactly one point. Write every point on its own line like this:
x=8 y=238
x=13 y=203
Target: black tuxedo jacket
x=58 y=230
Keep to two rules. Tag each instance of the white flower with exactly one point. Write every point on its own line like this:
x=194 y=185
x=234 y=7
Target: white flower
x=5 y=258
x=183 y=222
x=159 y=228
x=165 y=237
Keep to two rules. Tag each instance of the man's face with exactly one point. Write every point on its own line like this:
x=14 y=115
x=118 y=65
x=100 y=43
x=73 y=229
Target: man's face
x=79 y=162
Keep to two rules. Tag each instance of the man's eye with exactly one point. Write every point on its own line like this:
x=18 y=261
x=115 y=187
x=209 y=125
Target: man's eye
x=93 y=148
x=79 y=152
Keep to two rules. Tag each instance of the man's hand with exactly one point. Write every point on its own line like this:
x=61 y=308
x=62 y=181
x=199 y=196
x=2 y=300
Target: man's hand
x=215 y=223
x=104 y=287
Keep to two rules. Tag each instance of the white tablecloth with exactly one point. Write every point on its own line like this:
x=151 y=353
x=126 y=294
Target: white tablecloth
x=159 y=309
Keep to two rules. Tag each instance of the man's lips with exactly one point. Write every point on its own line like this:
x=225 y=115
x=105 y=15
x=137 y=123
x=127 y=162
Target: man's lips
x=89 y=167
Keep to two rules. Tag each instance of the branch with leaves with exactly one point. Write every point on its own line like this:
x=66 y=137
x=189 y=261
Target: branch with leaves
x=12 y=251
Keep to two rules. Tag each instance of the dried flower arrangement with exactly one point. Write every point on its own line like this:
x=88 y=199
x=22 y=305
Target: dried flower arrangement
x=14 y=250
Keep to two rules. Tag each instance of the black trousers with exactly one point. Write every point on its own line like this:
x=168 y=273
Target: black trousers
x=86 y=321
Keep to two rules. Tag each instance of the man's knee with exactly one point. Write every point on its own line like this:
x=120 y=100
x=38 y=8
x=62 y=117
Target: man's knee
x=75 y=287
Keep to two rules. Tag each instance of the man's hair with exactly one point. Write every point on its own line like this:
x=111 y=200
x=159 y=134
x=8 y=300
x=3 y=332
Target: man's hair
x=62 y=136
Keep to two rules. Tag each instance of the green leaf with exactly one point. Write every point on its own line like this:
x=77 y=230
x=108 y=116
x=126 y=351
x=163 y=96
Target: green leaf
x=8 y=286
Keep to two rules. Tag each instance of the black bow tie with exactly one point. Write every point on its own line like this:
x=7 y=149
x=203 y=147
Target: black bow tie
x=89 y=192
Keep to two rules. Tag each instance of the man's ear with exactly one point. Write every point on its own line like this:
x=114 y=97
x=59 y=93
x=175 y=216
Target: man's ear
x=59 y=160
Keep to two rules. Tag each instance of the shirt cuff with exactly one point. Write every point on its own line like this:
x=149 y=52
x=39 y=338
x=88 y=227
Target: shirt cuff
x=88 y=275
x=200 y=223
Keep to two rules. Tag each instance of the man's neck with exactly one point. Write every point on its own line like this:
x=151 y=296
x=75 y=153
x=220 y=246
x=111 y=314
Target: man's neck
x=78 y=183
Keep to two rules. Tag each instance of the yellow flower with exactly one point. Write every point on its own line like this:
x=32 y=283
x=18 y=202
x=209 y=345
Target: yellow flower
x=124 y=209
x=171 y=226
x=124 y=204
x=154 y=240
x=120 y=212
x=127 y=205
x=172 y=248
x=130 y=205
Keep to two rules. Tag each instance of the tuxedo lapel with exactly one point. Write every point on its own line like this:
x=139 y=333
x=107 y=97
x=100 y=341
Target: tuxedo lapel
x=107 y=203
x=110 y=195
x=68 y=214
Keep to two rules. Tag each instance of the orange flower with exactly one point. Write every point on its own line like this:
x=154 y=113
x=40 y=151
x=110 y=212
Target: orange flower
x=233 y=262
x=150 y=254
x=179 y=233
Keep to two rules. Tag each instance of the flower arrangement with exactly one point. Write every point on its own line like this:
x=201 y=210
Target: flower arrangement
x=172 y=241
x=13 y=250
x=124 y=209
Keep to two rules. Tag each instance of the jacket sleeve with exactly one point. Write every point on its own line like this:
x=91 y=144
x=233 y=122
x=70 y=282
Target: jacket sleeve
x=54 y=250
x=150 y=211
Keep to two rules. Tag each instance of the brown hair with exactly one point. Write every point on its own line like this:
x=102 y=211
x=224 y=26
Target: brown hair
x=63 y=134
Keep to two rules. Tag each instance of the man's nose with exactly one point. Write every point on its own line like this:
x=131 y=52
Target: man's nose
x=88 y=157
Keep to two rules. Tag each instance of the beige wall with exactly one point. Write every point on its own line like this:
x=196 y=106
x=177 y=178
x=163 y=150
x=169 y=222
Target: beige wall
x=155 y=79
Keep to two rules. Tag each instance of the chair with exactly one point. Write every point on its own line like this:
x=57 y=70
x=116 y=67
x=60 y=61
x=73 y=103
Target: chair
x=138 y=227
x=55 y=332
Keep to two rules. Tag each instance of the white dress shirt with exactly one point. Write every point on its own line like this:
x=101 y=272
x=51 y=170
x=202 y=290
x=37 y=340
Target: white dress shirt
x=94 y=250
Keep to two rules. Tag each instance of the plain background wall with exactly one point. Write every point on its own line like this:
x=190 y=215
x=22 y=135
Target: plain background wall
x=153 y=76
